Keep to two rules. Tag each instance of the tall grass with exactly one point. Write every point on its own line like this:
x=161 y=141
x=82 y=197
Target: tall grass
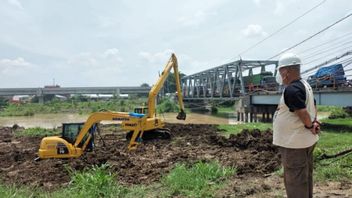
x=15 y=192
x=200 y=180
x=95 y=182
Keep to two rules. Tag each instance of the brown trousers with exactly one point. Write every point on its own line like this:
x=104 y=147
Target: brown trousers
x=298 y=171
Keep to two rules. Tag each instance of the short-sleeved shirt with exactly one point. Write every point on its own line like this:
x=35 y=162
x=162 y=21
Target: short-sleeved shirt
x=295 y=96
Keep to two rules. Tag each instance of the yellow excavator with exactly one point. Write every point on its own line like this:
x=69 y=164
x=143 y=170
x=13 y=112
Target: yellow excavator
x=78 y=138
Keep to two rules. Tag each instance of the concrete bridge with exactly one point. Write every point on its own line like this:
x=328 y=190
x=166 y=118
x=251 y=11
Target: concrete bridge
x=40 y=92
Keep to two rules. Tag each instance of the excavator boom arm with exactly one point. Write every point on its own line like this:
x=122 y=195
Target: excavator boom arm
x=172 y=63
x=95 y=118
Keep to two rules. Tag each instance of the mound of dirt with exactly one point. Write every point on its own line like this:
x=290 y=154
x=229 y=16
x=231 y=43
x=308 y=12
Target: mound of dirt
x=250 y=151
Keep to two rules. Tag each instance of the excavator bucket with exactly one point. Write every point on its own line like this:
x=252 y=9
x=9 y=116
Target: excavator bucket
x=181 y=115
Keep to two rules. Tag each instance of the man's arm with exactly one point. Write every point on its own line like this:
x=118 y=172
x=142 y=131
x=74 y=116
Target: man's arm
x=308 y=123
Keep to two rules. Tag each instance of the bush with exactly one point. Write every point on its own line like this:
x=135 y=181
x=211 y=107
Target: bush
x=214 y=109
x=3 y=102
x=167 y=105
x=338 y=113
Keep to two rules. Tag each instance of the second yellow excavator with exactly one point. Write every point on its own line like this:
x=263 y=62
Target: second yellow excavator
x=77 y=138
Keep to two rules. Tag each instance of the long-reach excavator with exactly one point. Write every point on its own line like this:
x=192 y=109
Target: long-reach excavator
x=77 y=138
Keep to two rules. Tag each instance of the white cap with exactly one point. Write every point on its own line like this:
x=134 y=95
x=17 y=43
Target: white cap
x=288 y=59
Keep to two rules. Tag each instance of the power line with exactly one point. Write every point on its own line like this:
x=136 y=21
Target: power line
x=279 y=30
x=327 y=42
x=332 y=51
x=324 y=29
x=317 y=67
x=345 y=63
x=321 y=51
x=328 y=61
x=318 y=59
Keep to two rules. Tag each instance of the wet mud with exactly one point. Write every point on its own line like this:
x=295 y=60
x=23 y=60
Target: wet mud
x=251 y=152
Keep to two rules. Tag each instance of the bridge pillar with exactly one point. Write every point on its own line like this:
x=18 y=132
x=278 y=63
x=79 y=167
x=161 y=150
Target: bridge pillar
x=117 y=93
x=242 y=109
x=246 y=112
x=40 y=95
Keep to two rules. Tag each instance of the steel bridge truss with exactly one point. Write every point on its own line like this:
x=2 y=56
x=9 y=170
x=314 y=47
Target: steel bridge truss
x=224 y=81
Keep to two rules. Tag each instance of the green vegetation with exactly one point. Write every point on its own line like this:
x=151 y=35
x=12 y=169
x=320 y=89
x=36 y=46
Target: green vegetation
x=3 y=103
x=323 y=108
x=339 y=121
x=200 y=180
x=222 y=112
x=37 y=132
x=73 y=106
x=338 y=168
x=123 y=105
x=335 y=137
x=167 y=105
x=237 y=128
x=95 y=182
x=338 y=113
x=15 y=192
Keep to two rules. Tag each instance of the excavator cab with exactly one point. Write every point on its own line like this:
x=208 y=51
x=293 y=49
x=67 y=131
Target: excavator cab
x=70 y=132
x=141 y=110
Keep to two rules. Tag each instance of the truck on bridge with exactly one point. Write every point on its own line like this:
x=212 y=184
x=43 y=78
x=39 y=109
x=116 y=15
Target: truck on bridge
x=330 y=76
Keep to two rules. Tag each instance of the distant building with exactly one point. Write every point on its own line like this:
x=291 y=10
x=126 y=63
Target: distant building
x=52 y=86
x=18 y=99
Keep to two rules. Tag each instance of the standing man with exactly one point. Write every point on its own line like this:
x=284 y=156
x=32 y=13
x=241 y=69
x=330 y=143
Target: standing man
x=295 y=128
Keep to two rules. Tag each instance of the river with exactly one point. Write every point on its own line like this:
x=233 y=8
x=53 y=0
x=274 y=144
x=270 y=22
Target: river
x=54 y=120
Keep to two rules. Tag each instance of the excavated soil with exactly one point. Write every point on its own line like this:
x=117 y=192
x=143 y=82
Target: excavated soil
x=250 y=151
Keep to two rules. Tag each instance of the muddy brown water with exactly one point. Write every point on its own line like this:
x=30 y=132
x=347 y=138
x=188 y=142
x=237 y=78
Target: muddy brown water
x=251 y=152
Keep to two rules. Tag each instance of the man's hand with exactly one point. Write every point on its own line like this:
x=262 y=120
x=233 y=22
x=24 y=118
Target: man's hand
x=316 y=128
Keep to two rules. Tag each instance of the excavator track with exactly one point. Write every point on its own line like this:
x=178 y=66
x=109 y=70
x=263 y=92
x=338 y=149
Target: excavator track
x=153 y=134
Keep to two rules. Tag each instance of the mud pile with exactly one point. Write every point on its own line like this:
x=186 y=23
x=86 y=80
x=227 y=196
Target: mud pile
x=251 y=152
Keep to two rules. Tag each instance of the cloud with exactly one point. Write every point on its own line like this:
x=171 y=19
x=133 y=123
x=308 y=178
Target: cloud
x=196 y=19
x=11 y=66
x=257 y=2
x=112 y=53
x=158 y=57
x=279 y=8
x=108 y=58
x=254 y=30
x=107 y=22
x=15 y=3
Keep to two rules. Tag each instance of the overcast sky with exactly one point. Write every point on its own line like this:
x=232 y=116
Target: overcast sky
x=127 y=42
